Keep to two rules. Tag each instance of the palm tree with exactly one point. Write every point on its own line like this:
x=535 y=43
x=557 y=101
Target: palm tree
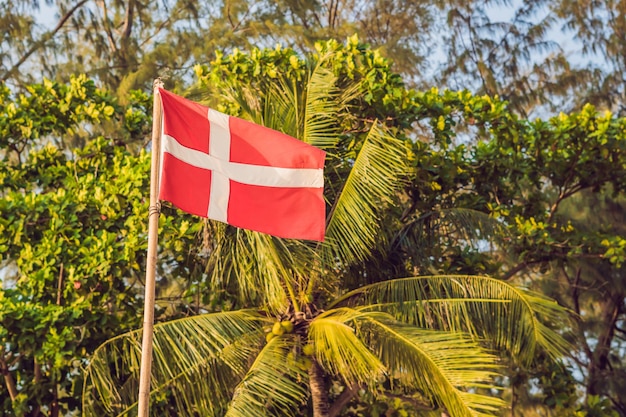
x=434 y=335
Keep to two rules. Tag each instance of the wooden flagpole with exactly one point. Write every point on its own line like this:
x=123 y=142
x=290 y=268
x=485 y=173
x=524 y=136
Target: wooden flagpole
x=153 y=226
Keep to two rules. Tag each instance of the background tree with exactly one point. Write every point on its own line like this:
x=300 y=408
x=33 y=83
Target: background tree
x=541 y=57
x=72 y=241
x=601 y=29
x=124 y=44
x=536 y=178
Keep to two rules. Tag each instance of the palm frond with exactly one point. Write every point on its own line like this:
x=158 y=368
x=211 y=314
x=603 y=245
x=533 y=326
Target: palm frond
x=447 y=367
x=273 y=386
x=307 y=109
x=447 y=228
x=455 y=225
x=256 y=265
x=283 y=107
x=339 y=351
x=191 y=356
x=354 y=225
x=510 y=317
x=471 y=225
x=325 y=104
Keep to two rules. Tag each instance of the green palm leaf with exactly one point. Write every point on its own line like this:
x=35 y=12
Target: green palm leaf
x=324 y=105
x=452 y=226
x=191 y=356
x=307 y=109
x=339 y=351
x=438 y=364
x=258 y=266
x=471 y=225
x=283 y=108
x=354 y=226
x=491 y=309
x=273 y=385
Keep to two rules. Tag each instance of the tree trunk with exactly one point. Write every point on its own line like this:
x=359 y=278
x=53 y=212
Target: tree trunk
x=346 y=396
x=54 y=405
x=319 y=395
x=8 y=379
x=599 y=360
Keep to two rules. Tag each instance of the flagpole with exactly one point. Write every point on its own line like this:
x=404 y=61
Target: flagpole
x=153 y=226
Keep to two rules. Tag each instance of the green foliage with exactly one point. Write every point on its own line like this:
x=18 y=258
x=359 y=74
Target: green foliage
x=389 y=334
x=212 y=354
x=48 y=109
x=598 y=407
x=72 y=240
x=382 y=96
x=494 y=48
x=360 y=345
x=70 y=232
x=449 y=183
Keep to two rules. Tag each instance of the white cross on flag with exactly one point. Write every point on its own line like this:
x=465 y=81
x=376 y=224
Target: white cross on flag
x=240 y=173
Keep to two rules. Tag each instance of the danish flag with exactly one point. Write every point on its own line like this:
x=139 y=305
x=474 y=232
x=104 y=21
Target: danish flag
x=240 y=173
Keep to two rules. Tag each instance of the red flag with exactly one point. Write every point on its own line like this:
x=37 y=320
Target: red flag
x=240 y=173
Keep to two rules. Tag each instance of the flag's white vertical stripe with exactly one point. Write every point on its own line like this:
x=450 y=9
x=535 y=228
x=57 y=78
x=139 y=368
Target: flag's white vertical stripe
x=219 y=148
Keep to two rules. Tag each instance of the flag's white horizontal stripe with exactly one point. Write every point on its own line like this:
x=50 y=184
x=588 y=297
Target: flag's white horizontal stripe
x=245 y=173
